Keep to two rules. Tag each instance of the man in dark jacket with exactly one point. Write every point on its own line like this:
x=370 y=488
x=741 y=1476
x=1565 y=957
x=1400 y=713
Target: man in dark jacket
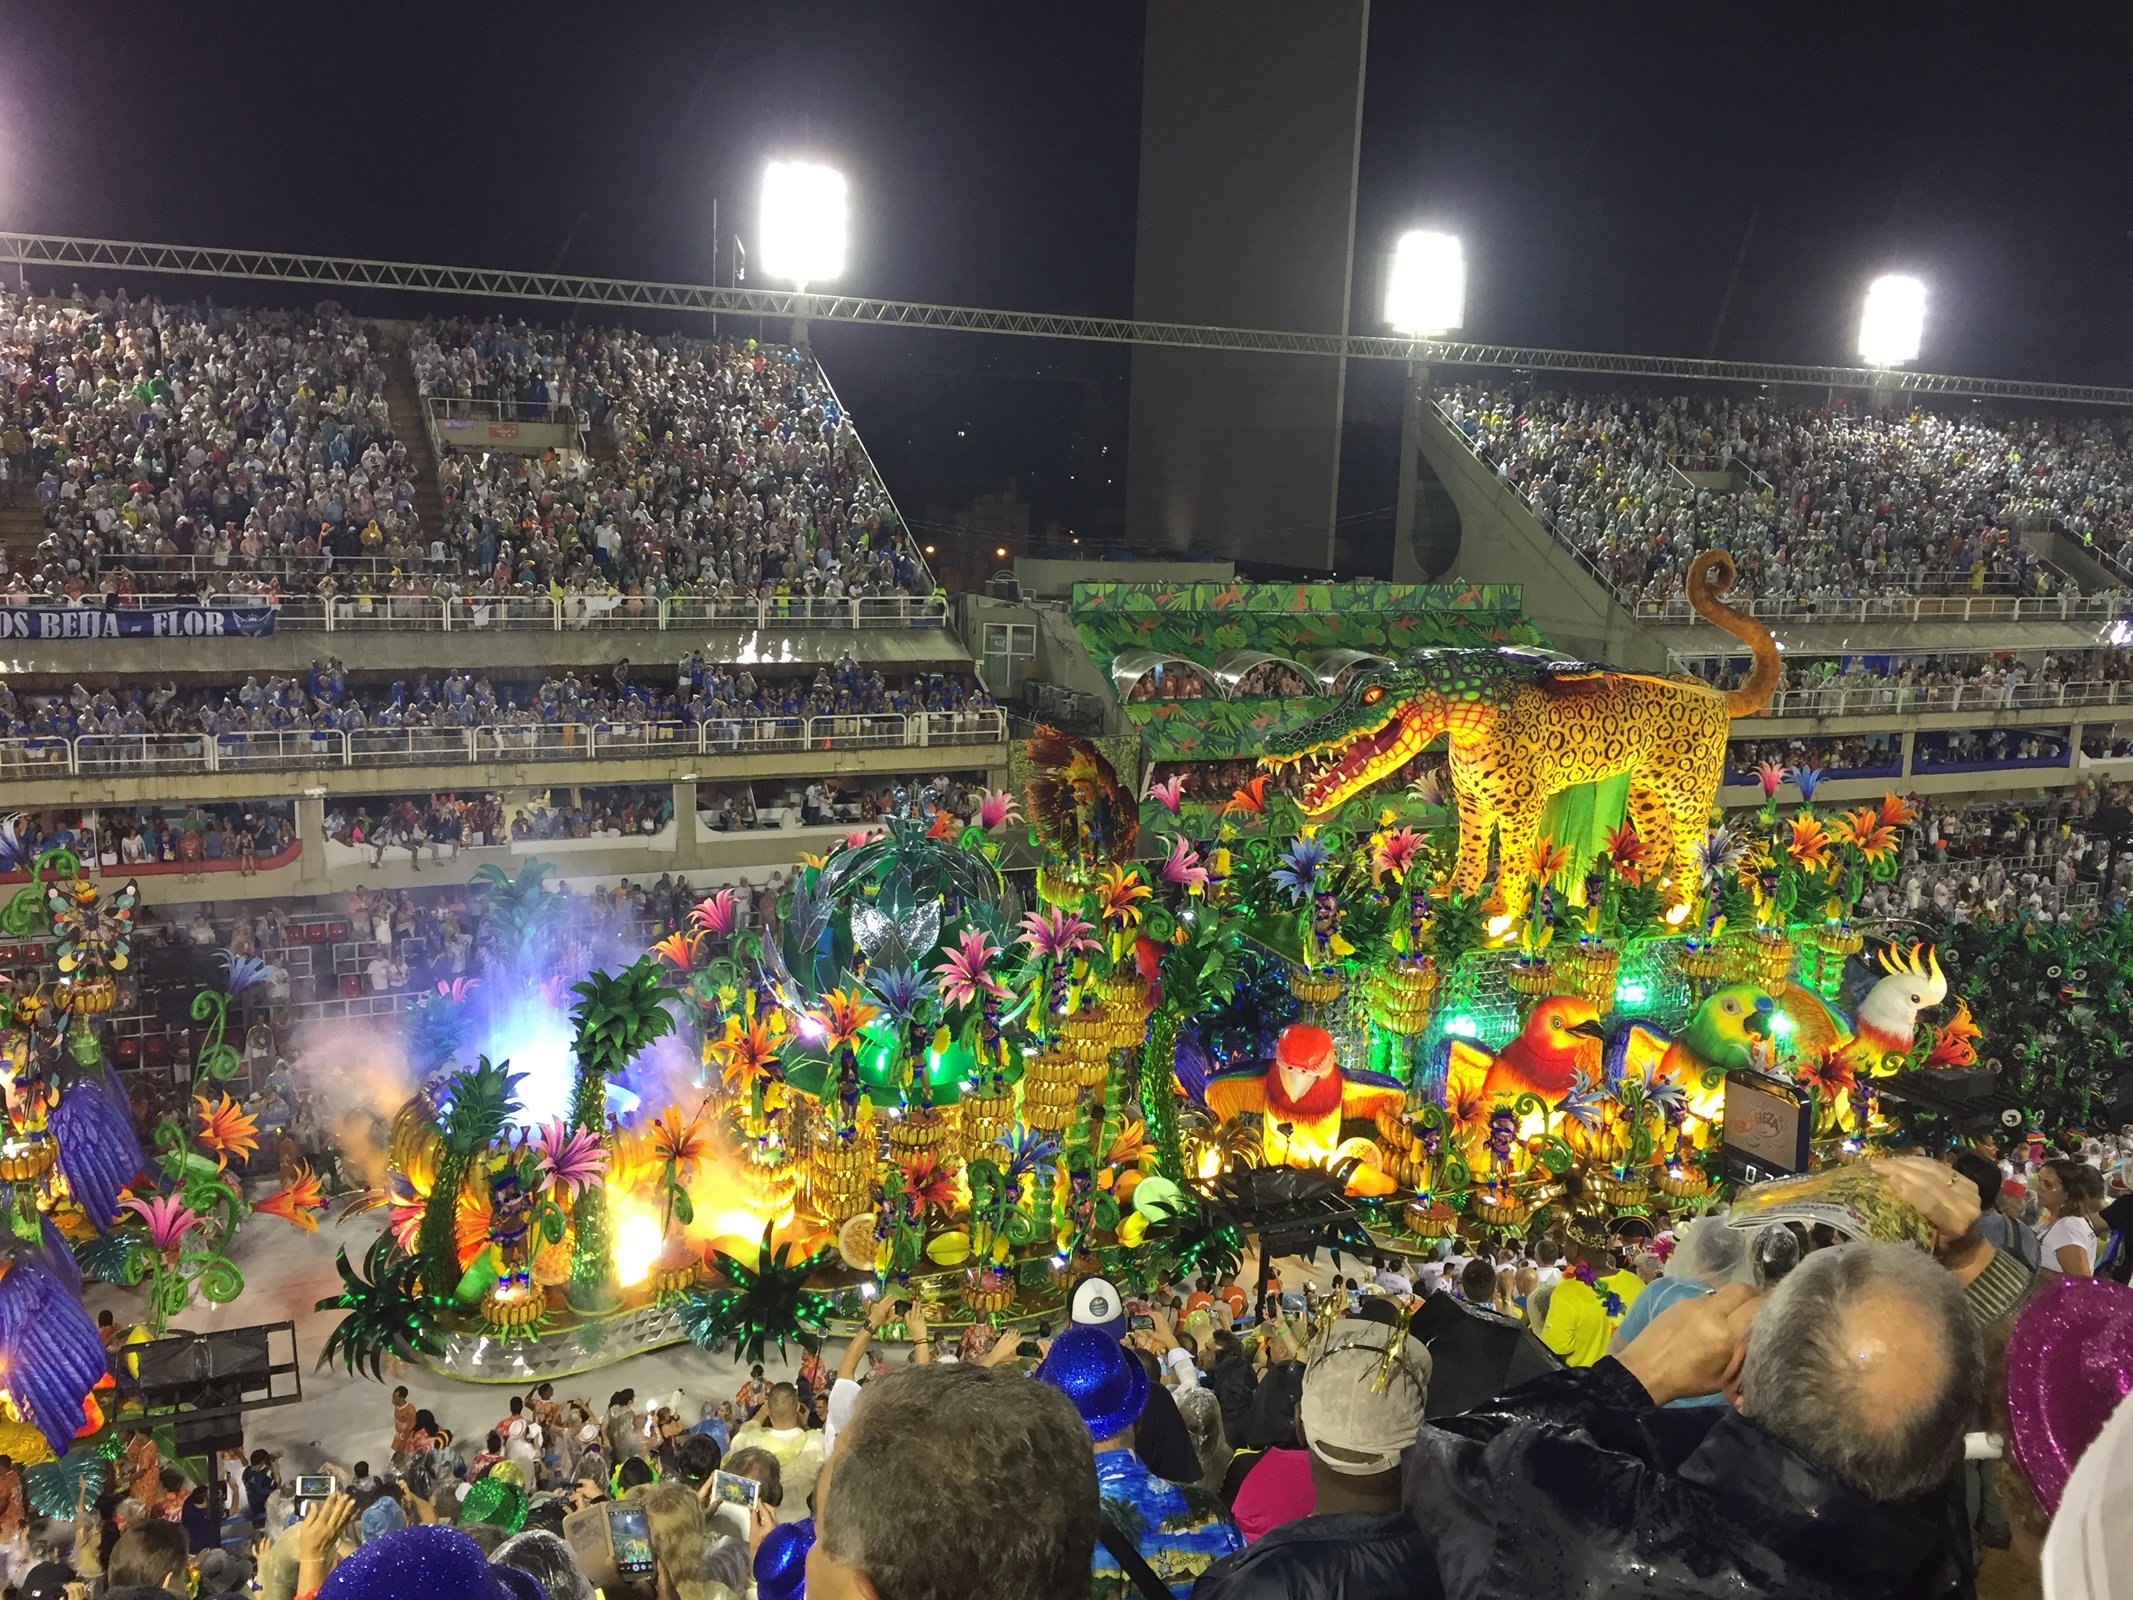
x=1363 y=1398
x=1828 y=1475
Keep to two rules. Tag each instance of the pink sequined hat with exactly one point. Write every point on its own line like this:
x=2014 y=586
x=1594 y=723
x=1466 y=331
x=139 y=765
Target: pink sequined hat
x=2069 y=1363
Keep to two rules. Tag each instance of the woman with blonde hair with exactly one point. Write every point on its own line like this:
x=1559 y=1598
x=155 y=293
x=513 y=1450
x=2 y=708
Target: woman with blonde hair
x=682 y=1542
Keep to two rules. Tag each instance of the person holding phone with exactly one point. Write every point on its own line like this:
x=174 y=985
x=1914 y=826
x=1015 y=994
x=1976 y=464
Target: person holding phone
x=844 y=1387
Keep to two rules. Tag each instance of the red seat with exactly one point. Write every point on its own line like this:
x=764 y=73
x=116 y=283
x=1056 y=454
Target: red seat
x=338 y=930
x=351 y=985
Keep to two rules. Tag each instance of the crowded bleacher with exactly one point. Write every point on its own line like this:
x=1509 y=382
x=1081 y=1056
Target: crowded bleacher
x=166 y=440
x=1945 y=681
x=2045 y=859
x=1829 y=504
x=258 y=458
x=730 y=704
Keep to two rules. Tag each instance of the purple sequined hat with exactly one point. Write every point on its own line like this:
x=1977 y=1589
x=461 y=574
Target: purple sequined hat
x=1106 y=1382
x=2069 y=1363
x=435 y=1562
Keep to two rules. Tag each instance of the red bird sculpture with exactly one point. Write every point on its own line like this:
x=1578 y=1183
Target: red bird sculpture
x=1561 y=1038
x=1303 y=1099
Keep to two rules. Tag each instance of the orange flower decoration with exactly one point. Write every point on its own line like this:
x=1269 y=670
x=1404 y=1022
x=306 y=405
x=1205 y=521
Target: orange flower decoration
x=1247 y=800
x=1896 y=811
x=841 y=1017
x=745 y=1053
x=1952 y=1043
x=1548 y=859
x=1627 y=851
x=680 y=948
x=1809 y=845
x=1127 y=1147
x=226 y=1129
x=295 y=1202
x=1116 y=894
x=679 y=1144
x=1831 y=1072
x=1865 y=832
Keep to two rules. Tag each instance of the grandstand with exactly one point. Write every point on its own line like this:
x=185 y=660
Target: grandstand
x=1951 y=588
x=301 y=605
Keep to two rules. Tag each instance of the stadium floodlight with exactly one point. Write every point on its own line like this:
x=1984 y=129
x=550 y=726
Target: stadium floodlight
x=1425 y=294
x=803 y=222
x=1893 y=321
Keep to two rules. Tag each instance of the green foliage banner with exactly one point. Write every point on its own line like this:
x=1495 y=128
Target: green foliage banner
x=1199 y=621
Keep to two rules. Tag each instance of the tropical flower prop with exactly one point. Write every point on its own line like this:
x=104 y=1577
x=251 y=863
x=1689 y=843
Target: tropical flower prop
x=568 y=1160
x=297 y=1200
x=226 y=1129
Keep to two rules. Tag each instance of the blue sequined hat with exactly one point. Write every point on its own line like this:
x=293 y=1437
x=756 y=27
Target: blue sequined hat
x=781 y=1561
x=1106 y=1382
x=426 y=1560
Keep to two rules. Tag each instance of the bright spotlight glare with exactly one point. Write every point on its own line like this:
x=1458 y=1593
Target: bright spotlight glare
x=638 y=1243
x=1426 y=291
x=803 y=222
x=1893 y=322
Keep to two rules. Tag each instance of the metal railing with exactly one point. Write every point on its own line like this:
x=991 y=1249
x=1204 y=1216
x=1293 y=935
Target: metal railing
x=1871 y=698
x=134 y=755
x=1922 y=607
x=445 y=405
x=544 y=613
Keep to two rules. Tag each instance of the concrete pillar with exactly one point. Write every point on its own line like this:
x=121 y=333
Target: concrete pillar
x=311 y=874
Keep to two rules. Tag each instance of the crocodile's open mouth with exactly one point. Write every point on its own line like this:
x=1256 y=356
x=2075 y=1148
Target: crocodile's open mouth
x=1339 y=768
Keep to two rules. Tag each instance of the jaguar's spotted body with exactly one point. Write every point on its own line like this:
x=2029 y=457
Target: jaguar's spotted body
x=1523 y=725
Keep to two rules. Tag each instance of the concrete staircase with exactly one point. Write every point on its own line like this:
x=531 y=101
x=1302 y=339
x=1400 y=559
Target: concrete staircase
x=403 y=400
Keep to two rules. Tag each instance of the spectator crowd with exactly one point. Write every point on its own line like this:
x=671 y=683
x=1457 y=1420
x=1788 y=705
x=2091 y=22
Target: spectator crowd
x=1788 y=1411
x=1825 y=505
x=731 y=701
x=180 y=450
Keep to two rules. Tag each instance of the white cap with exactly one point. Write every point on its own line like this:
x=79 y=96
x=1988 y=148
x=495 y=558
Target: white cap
x=1361 y=1407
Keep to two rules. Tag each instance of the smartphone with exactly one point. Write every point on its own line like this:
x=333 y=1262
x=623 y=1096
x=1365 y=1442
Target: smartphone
x=314 y=1486
x=903 y=1308
x=1140 y=1322
x=1030 y=1350
x=631 y=1536
x=732 y=1489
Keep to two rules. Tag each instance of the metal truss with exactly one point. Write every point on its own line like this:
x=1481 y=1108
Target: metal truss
x=343 y=272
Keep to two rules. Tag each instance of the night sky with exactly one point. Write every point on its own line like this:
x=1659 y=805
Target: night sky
x=1603 y=165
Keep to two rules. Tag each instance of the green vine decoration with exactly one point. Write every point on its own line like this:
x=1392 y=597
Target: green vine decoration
x=219 y=1061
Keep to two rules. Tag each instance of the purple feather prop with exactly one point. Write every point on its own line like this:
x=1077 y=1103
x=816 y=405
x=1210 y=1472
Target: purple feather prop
x=53 y=1355
x=97 y=1150
x=56 y=1254
x=1195 y=1066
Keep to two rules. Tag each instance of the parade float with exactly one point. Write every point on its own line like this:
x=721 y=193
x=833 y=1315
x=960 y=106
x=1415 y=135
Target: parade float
x=82 y=1199
x=1098 y=1027
x=971 y=1063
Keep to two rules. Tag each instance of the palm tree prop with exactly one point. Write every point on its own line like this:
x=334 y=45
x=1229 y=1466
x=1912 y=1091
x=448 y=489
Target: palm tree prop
x=387 y=1314
x=520 y=912
x=617 y=1016
x=768 y=1301
x=1196 y=971
x=480 y=1102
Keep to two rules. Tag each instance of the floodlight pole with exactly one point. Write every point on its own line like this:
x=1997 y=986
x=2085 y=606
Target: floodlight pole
x=1412 y=400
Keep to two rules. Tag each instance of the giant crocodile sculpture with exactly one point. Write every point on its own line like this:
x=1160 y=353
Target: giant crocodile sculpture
x=1522 y=725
